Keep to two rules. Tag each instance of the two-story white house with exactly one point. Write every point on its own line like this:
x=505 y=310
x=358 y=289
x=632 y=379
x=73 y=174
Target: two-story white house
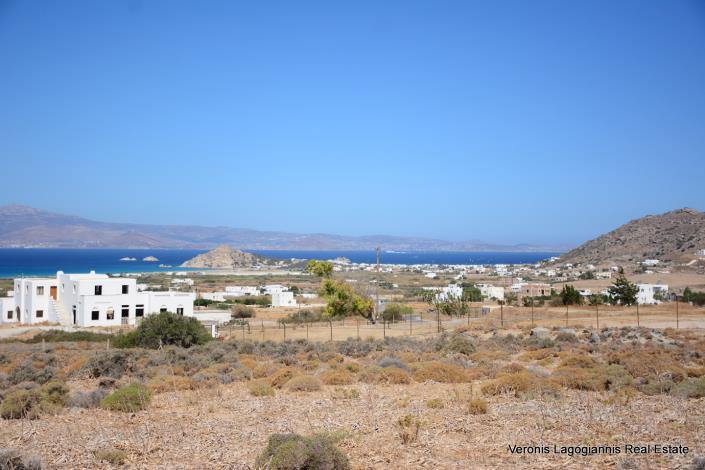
x=88 y=300
x=648 y=293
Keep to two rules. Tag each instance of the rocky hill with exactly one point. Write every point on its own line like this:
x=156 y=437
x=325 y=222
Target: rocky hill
x=673 y=236
x=226 y=257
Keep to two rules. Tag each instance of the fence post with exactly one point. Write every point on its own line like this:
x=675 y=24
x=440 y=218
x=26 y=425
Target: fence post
x=384 y=328
x=243 y=331
x=331 y=329
x=677 y=311
x=284 y=324
x=597 y=314
x=566 y=315
x=107 y=346
x=411 y=322
x=532 y=312
x=262 y=330
x=637 y=314
x=358 y=328
x=307 y=330
x=501 y=314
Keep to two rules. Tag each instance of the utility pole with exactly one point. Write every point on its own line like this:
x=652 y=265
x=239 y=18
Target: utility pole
x=377 y=287
x=677 y=311
x=637 y=314
x=597 y=314
x=532 y=311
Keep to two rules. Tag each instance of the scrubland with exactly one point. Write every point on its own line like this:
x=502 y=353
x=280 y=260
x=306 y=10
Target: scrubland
x=454 y=400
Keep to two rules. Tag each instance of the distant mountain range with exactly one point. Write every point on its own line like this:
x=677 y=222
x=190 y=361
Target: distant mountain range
x=23 y=226
x=673 y=236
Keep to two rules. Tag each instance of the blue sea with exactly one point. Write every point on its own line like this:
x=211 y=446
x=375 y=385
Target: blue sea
x=46 y=261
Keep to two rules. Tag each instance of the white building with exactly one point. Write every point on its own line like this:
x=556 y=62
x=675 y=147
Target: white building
x=647 y=293
x=452 y=291
x=270 y=289
x=88 y=300
x=650 y=262
x=489 y=291
x=283 y=299
x=241 y=291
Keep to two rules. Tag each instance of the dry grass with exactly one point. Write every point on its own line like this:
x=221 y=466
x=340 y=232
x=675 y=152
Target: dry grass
x=477 y=406
x=260 y=388
x=440 y=372
x=337 y=376
x=303 y=383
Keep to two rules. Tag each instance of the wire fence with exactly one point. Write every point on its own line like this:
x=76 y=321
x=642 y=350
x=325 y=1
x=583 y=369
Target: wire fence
x=671 y=315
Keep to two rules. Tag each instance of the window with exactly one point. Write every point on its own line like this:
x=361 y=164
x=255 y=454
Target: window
x=40 y=314
x=125 y=289
x=139 y=310
x=9 y=314
x=40 y=290
x=98 y=290
x=95 y=315
x=179 y=310
x=162 y=310
x=125 y=312
x=110 y=313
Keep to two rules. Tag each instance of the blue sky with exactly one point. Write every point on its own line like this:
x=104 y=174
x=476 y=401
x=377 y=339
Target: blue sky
x=509 y=122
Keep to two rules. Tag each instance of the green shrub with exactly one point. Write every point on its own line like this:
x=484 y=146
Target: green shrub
x=395 y=312
x=133 y=397
x=56 y=336
x=295 y=452
x=108 y=364
x=21 y=404
x=460 y=344
x=163 y=329
x=691 y=388
x=11 y=459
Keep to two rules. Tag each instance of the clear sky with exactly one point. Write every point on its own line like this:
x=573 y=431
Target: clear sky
x=503 y=121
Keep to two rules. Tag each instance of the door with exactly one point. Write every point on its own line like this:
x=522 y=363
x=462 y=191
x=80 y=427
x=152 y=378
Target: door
x=74 y=314
x=52 y=292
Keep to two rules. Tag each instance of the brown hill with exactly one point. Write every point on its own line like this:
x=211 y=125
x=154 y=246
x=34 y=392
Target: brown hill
x=225 y=257
x=673 y=236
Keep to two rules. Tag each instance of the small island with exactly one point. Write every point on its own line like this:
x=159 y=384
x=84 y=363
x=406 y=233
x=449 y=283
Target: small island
x=150 y=259
x=226 y=257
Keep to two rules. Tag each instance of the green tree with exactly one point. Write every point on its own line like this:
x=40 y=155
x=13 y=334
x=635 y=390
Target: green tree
x=320 y=268
x=622 y=290
x=395 y=312
x=570 y=295
x=343 y=301
x=471 y=292
x=165 y=328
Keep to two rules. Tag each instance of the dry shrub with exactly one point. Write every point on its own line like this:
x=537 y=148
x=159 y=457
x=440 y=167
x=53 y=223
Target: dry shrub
x=513 y=368
x=260 y=388
x=264 y=369
x=221 y=374
x=538 y=354
x=408 y=429
x=11 y=459
x=384 y=375
x=311 y=365
x=407 y=356
x=170 y=383
x=483 y=371
x=477 y=406
x=435 y=403
x=111 y=455
x=651 y=362
x=519 y=384
x=352 y=367
x=303 y=383
x=249 y=362
x=490 y=356
x=130 y=398
x=577 y=360
x=440 y=372
x=75 y=365
x=341 y=393
x=337 y=376
x=695 y=371
x=612 y=377
x=282 y=376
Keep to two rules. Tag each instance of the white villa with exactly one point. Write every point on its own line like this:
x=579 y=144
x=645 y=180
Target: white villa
x=241 y=291
x=283 y=299
x=489 y=291
x=87 y=300
x=647 y=293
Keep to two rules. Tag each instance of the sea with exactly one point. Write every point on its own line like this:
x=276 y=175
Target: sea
x=47 y=261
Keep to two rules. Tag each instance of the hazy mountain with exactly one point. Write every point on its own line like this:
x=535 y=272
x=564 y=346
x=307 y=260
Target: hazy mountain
x=673 y=236
x=22 y=226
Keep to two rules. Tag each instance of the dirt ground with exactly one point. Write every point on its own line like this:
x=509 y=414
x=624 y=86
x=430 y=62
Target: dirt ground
x=225 y=427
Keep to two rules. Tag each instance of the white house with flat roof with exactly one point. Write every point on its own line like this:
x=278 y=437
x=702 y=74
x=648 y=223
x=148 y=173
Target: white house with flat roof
x=88 y=300
x=283 y=299
x=648 y=293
